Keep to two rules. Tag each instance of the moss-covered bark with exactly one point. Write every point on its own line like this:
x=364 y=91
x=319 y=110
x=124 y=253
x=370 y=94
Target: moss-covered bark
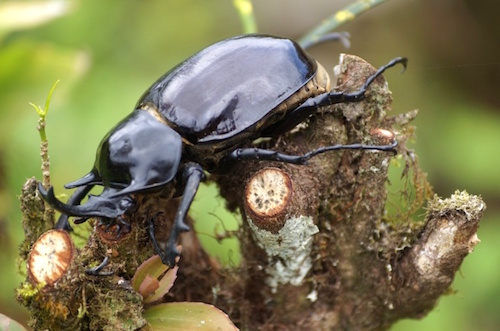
x=333 y=258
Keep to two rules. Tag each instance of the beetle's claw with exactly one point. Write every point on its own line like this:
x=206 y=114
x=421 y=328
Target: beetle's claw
x=170 y=255
x=80 y=220
x=97 y=271
x=183 y=227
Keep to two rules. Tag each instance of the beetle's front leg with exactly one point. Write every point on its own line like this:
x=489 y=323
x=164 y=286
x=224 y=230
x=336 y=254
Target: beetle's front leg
x=74 y=199
x=192 y=176
x=97 y=271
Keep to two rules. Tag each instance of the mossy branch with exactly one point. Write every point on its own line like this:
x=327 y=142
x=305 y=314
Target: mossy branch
x=344 y=269
x=44 y=148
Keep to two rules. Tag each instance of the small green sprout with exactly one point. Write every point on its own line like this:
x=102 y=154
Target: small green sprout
x=44 y=147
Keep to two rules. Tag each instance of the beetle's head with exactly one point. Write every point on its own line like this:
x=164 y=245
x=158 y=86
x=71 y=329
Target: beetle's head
x=139 y=154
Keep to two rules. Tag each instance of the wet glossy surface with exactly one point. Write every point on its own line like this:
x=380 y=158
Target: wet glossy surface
x=140 y=153
x=229 y=86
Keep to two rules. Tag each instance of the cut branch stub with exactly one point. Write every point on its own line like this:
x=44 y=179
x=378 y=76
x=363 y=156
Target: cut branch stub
x=50 y=257
x=324 y=257
x=279 y=226
x=336 y=203
x=428 y=268
x=383 y=136
x=267 y=197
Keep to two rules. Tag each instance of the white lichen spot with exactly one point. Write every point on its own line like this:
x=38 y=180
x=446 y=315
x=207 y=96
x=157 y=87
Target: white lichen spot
x=288 y=251
x=388 y=269
x=385 y=162
x=473 y=241
x=313 y=296
x=337 y=70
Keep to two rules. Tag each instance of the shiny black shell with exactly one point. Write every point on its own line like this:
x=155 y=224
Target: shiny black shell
x=230 y=87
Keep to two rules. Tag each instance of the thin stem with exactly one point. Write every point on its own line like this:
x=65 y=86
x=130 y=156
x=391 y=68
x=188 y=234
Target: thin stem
x=333 y=22
x=44 y=147
x=245 y=10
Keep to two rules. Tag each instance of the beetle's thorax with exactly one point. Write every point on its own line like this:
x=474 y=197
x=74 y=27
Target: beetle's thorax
x=140 y=153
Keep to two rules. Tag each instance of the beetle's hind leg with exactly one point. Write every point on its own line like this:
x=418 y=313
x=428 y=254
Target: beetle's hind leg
x=311 y=105
x=337 y=97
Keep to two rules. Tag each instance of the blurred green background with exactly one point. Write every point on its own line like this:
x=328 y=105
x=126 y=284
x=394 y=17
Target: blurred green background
x=106 y=53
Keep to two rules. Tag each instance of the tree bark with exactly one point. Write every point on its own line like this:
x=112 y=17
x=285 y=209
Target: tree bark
x=324 y=246
x=337 y=260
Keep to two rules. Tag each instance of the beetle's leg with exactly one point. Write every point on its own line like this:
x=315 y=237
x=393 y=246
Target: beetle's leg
x=310 y=106
x=123 y=225
x=192 y=176
x=343 y=37
x=74 y=199
x=151 y=232
x=80 y=220
x=268 y=155
x=338 y=97
x=96 y=271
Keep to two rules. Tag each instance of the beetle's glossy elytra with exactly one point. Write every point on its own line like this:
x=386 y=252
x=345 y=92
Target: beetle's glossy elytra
x=198 y=116
x=230 y=91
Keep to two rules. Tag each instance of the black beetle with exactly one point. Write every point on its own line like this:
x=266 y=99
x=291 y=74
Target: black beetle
x=198 y=116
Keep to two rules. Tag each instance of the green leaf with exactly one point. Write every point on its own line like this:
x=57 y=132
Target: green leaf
x=16 y=15
x=42 y=112
x=164 y=285
x=149 y=282
x=152 y=267
x=187 y=316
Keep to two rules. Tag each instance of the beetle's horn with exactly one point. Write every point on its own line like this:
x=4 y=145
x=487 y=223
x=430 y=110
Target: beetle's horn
x=89 y=179
x=96 y=206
